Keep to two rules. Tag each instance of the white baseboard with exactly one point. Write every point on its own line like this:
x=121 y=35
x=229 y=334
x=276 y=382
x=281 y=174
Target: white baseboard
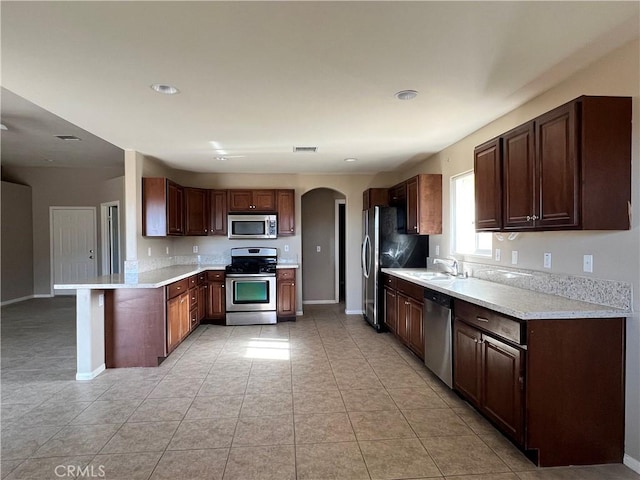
x=28 y=297
x=319 y=302
x=353 y=312
x=16 y=300
x=632 y=463
x=91 y=375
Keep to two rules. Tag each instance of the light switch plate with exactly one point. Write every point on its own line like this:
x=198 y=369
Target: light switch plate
x=498 y=255
x=514 y=257
x=286 y=248
x=437 y=250
x=318 y=248
x=547 y=260
x=587 y=263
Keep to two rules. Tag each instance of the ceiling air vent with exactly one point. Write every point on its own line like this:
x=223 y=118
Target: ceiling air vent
x=67 y=137
x=305 y=149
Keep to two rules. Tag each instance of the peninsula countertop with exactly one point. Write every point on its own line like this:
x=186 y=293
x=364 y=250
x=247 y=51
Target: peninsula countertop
x=512 y=301
x=150 y=279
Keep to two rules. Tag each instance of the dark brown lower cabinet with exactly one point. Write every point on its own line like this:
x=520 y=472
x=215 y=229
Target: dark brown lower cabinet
x=177 y=320
x=403 y=312
x=390 y=309
x=555 y=387
x=216 y=296
x=286 y=294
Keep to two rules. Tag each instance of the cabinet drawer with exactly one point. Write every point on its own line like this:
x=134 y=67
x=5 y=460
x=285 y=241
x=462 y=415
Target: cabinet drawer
x=215 y=275
x=286 y=274
x=193 y=297
x=389 y=281
x=202 y=278
x=176 y=288
x=412 y=290
x=490 y=321
x=193 y=281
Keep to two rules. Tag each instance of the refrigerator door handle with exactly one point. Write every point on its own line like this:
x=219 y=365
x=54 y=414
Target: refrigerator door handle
x=366 y=260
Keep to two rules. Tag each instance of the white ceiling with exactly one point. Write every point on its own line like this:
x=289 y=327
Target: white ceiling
x=258 y=78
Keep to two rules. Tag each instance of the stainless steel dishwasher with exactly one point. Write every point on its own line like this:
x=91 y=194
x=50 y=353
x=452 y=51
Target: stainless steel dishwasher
x=437 y=334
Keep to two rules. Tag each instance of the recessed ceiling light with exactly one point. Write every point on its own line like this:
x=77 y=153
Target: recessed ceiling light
x=3 y=126
x=165 y=89
x=350 y=159
x=222 y=159
x=48 y=160
x=406 y=94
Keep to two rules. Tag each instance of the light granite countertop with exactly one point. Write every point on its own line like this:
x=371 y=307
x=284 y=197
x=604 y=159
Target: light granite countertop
x=512 y=301
x=151 y=279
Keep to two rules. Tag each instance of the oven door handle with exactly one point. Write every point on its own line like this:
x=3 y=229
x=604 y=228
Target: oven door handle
x=249 y=275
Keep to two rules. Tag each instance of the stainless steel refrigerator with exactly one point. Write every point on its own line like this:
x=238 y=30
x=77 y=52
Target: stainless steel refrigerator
x=384 y=246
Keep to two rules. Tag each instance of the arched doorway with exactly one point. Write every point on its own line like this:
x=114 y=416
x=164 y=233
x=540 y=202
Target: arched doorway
x=323 y=246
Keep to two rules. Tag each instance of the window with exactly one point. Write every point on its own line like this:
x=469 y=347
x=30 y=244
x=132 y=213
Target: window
x=464 y=239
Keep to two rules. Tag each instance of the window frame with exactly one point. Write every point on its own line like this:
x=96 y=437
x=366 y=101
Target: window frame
x=453 y=189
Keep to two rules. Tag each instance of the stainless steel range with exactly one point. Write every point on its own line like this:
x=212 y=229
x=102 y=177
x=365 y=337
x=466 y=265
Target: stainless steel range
x=251 y=286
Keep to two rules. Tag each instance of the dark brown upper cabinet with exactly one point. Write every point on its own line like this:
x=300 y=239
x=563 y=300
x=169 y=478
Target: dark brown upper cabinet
x=375 y=196
x=424 y=204
x=196 y=211
x=285 y=200
x=162 y=207
x=567 y=169
x=249 y=201
x=218 y=212
x=488 y=185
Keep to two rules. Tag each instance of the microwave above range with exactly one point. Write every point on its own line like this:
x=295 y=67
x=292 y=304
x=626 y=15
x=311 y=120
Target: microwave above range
x=252 y=226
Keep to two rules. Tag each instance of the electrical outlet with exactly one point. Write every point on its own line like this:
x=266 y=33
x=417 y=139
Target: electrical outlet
x=587 y=263
x=547 y=260
x=149 y=251
x=437 y=250
x=497 y=255
x=318 y=248
x=286 y=248
x=195 y=249
x=514 y=257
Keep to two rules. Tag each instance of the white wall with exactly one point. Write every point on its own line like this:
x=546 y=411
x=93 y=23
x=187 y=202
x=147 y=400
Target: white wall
x=616 y=254
x=62 y=187
x=16 y=242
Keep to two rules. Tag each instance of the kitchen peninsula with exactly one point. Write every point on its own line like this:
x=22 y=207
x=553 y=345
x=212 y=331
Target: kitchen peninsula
x=129 y=322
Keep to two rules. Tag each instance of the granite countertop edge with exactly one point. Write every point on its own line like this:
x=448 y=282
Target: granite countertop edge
x=515 y=302
x=150 y=279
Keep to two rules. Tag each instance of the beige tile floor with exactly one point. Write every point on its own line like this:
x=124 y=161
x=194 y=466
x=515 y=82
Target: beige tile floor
x=322 y=398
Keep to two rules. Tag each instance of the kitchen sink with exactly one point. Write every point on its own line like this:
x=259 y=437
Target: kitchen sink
x=431 y=276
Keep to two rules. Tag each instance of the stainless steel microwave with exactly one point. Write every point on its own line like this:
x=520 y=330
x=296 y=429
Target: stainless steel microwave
x=252 y=226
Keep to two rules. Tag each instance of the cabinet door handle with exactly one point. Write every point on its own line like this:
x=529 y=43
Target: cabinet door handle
x=482 y=319
x=535 y=217
x=221 y=286
x=529 y=218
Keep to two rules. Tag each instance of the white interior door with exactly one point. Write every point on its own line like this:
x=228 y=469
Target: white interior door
x=73 y=245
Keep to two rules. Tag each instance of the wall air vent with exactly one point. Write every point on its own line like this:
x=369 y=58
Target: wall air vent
x=67 y=137
x=305 y=149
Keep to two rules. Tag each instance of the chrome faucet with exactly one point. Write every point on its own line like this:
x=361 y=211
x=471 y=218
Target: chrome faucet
x=450 y=263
